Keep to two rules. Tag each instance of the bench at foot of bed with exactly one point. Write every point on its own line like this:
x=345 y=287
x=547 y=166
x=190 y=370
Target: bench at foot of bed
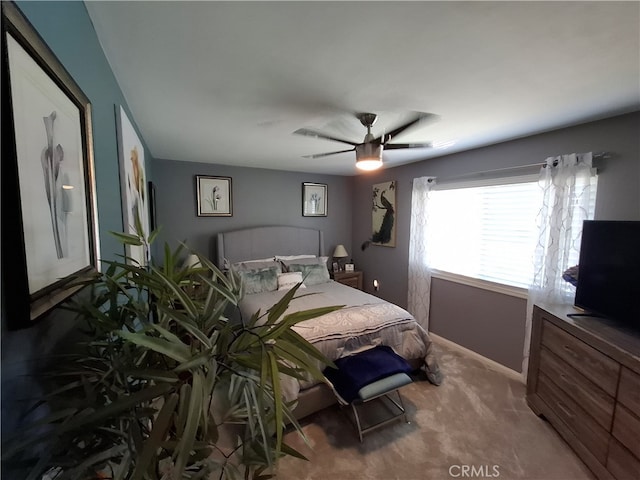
x=377 y=373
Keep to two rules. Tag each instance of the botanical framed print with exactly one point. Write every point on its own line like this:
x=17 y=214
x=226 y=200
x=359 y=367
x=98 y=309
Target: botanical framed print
x=314 y=200
x=383 y=214
x=133 y=186
x=214 y=196
x=49 y=215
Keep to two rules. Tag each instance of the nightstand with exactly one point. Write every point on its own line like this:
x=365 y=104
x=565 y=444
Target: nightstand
x=352 y=279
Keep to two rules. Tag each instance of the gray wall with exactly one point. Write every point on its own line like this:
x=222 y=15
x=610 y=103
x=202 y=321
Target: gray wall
x=68 y=31
x=260 y=197
x=618 y=199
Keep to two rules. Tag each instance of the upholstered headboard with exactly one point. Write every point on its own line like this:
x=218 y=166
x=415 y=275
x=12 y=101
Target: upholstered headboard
x=263 y=242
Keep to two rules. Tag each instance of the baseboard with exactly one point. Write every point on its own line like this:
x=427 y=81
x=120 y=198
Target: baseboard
x=492 y=364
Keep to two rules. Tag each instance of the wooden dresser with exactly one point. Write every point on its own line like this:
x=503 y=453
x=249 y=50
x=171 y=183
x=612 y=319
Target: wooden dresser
x=584 y=378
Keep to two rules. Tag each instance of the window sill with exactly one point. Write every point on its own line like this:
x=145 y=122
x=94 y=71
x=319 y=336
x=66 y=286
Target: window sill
x=482 y=284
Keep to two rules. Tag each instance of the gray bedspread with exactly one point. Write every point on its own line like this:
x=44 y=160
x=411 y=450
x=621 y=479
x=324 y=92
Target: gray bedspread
x=364 y=322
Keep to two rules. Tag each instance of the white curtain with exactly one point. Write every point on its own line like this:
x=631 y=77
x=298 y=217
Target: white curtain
x=568 y=196
x=419 y=273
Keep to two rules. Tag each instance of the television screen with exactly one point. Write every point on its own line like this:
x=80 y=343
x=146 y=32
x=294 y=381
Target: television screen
x=609 y=270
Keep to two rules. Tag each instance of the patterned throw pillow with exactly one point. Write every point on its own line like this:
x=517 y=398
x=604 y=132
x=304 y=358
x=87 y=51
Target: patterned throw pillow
x=286 y=281
x=254 y=265
x=311 y=274
x=303 y=261
x=262 y=280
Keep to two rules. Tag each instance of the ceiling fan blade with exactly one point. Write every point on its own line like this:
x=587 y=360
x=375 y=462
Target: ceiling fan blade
x=320 y=155
x=396 y=146
x=312 y=133
x=386 y=137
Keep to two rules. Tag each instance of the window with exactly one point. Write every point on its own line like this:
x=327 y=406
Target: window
x=486 y=229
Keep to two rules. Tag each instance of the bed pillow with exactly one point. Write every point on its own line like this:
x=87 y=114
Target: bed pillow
x=228 y=265
x=253 y=265
x=261 y=280
x=305 y=261
x=293 y=257
x=286 y=281
x=314 y=274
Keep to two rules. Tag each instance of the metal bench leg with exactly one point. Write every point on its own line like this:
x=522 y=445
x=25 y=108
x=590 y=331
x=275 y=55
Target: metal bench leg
x=355 y=414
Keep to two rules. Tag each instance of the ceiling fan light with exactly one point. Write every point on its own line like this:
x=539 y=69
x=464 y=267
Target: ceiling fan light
x=369 y=156
x=369 y=164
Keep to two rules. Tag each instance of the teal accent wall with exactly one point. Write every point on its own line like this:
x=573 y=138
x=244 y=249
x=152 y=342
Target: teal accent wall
x=68 y=31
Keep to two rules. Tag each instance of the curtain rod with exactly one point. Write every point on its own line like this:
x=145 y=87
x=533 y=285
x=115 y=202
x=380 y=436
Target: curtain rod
x=596 y=156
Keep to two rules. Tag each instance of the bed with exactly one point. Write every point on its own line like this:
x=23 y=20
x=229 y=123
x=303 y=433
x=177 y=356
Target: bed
x=364 y=322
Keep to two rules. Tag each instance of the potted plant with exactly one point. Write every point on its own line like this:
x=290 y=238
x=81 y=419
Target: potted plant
x=164 y=385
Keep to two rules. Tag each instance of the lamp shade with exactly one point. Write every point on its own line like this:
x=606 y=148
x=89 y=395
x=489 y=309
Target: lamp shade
x=340 y=252
x=192 y=261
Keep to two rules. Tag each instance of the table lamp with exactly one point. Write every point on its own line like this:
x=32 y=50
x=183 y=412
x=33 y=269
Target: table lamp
x=339 y=254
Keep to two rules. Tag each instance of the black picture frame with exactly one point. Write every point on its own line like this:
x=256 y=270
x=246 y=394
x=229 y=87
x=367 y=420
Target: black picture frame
x=314 y=199
x=48 y=205
x=152 y=206
x=214 y=196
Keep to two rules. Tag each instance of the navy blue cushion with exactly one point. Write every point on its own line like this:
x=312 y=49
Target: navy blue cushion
x=361 y=369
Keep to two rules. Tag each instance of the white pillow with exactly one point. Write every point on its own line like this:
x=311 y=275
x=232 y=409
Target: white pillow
x=286 y=281
x=293 y=257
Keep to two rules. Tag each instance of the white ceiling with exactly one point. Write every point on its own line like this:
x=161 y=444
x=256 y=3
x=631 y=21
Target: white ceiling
x=228 y=82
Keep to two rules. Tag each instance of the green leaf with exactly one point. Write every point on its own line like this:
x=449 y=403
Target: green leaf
x=193 y=329
x=191 y=425
x=275 y=381
x=154 y=234
x=151 y=445
x=156 y=375
x=127 y=238
x=279 y=308
x=193 y=363
x=178 y=352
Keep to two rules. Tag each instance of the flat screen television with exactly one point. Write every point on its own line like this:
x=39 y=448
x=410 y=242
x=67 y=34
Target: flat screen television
x=609 y=271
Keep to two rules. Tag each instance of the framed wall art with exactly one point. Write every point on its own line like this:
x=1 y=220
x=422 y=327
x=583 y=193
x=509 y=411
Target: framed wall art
x=214 y=197
x=133 y=186
x=49 y=214
x=314 y=199
x=383 y=215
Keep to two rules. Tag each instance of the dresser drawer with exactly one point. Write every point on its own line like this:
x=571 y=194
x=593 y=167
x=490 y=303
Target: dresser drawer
x=350 y=281
x=626 y=428
x=592 y=398
x=586 y=429
x=594 y=365
x=621 y=463
x=629 y=390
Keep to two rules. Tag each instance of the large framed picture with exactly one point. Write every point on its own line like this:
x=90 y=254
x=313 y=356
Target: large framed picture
x=214 y=196
x=49 y=214
x=383 y=214
x=314 y=199
x=133 y=187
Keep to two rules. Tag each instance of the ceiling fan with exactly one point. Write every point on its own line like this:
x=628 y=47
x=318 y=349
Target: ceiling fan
x=369 y=151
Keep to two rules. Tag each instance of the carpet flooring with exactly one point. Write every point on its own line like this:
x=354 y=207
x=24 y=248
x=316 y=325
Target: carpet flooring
x=475 y=425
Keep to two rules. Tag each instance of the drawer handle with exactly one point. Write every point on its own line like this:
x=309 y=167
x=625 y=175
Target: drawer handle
x=568 y=349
